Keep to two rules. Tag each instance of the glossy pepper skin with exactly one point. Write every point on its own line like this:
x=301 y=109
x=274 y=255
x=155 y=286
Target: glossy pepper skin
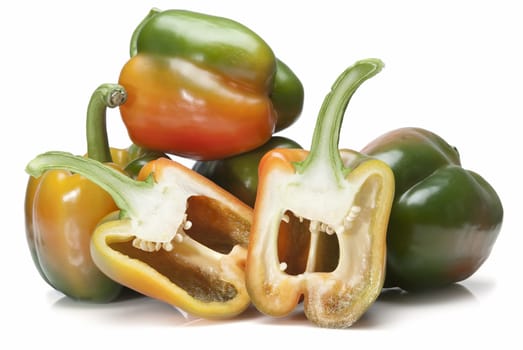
x=320 y=221
x=204 y=87
x=62 y=210
x=178 y=237
x=239 y=174
x=286 y=96
x=444 y=220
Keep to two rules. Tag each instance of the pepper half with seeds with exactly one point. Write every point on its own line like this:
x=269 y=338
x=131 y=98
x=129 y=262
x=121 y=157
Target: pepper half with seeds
x=320 y=221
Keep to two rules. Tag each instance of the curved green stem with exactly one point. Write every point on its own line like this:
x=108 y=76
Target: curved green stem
x=124 y=190
x=134 y=38
x=106 y=95
x=324 y=152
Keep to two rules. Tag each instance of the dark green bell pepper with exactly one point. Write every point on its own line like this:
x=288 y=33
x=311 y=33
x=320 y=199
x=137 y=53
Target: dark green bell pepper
x=444 y=220
x=239 y=174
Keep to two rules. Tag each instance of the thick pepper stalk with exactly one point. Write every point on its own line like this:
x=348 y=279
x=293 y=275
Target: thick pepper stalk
x=205 y=87
x=178 y=238
x=320 y=221
x=445 y=219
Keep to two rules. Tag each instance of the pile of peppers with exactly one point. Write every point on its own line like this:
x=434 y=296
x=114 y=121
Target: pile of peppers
x=258 y=219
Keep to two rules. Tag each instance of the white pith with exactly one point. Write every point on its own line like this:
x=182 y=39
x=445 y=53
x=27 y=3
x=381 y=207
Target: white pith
x=158 y=218
x=330 y=207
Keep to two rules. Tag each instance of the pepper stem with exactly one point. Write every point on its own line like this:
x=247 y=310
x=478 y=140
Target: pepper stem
x=134 y=38
x=324 y=151
x=122 y=188
x=106 y=95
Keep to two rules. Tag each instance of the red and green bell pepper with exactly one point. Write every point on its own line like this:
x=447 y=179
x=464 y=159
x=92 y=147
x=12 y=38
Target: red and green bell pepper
x=201 y=95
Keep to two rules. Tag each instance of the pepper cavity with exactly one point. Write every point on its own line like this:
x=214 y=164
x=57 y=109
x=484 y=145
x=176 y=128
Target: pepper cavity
x=190 y=262
x=202 y=253
x=318 y=242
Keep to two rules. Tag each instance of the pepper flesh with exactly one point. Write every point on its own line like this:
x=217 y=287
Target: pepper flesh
x=201 y=95
x=179 y=237
x=444 y=220
x=320 y=220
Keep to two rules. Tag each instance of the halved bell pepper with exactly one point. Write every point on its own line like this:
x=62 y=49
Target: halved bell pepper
x=444 y=220
x=204 y=87
x=178 y=238
x=63 y=209
x=239 y=174
x=320 y=221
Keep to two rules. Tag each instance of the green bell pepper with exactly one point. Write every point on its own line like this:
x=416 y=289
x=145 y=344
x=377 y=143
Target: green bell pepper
x=444 y=220
x=239 y=174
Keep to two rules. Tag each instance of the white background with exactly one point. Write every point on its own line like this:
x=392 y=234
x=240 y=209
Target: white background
x=454 y=67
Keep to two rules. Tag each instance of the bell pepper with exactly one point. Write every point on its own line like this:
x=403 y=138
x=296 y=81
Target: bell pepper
x=178 y=238
x=239 y=174
x=444 y=220
x=320 y=220
x=204 y=87
x=63 y=209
